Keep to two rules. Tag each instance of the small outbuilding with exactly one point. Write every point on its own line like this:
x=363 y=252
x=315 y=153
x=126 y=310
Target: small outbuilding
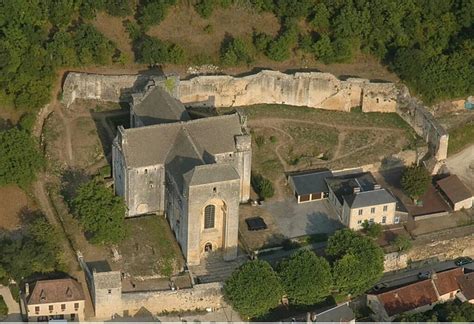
x=309 y=186
x=455 y=192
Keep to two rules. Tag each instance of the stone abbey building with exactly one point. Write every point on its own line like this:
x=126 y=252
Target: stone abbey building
x=195 y=172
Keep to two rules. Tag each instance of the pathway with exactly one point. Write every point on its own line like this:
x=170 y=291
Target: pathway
x=13 y=307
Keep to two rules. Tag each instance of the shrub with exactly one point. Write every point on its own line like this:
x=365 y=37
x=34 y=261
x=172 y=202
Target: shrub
x=100 y=212
x=374 y=230
x=20 y=158
x=236 y=51
x=118 y=8
x=205 y=8
x=3 y=307
x=262 y=186
x=152 y=50
x=403 y=243
x=415 y=181
x=260 y=140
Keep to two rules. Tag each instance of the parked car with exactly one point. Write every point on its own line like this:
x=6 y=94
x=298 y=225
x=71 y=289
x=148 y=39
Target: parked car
x=424 y=275
x=380 y=286
x=463 y=261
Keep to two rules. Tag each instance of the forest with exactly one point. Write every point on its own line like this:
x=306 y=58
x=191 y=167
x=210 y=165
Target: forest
x=428 y=43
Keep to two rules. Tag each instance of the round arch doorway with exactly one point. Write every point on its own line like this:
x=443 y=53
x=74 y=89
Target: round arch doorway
x=208 y=247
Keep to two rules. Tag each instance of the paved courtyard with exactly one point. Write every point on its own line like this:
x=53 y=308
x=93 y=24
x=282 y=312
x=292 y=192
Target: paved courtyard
x=294 y=220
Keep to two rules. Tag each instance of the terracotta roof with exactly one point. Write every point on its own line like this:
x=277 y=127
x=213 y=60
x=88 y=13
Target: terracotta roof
x=409 y=297
x=55 y=291
x=446 y=281
x=466 y=283
x=454 y=188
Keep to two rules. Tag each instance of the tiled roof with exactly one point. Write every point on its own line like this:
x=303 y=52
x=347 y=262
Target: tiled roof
x=55 y=291
x=409 y=297
x=446 y=281
x=454 y=189
x=466 y=283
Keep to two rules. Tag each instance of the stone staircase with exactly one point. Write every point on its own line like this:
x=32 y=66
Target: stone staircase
x=214 y=269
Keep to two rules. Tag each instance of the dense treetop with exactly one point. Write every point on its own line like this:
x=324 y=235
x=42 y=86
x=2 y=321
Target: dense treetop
x=428 y=43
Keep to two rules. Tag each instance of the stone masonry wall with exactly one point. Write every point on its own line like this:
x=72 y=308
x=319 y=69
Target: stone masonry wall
x=312 y=89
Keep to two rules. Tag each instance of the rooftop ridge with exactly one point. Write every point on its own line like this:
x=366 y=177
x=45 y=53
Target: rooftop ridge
x=180 y=123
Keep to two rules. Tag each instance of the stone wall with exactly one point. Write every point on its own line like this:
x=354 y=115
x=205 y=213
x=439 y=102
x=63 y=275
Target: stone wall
x=424 y=124
x=312 y=89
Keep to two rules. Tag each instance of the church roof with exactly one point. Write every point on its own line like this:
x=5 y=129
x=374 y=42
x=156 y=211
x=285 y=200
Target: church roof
x=150 y=145
x=156 y=106
x=211 y=173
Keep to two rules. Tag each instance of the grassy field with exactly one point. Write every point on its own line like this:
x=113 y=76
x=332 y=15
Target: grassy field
x=289 y=138
x=460 y=138
x=150 y=247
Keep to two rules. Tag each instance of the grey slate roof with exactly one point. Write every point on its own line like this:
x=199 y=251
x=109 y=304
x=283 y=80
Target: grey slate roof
x=151 y=145
x=339 y=314
x=211 y=173
x=369 y=198
x=156 y=106
x=305 y=184
x=344 y=185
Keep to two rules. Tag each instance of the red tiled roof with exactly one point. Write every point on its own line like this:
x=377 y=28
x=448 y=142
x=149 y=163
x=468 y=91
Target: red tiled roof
x=409 y=297
x=55 y=291
x=446 y=281
x=453 y=187
x=466 y=283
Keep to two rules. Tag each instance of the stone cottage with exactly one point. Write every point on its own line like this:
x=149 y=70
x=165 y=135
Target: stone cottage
x=195 y=172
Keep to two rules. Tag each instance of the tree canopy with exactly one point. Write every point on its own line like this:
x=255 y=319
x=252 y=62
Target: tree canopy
x=20 y=158
x=453 y=311
x=100 y=212
x=357 y=261
x=254 y=289
x=415 y=181
x=37 y=251
x=306 y=278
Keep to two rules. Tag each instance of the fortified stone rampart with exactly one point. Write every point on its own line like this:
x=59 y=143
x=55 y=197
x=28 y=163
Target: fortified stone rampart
x=311 y=89
x=424 y=124
x=109 y=300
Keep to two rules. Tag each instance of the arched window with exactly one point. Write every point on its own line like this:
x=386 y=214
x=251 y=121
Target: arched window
x=208 y=247
x=209 y=216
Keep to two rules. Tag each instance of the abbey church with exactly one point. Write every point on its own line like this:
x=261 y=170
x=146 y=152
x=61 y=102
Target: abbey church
x=195 y=172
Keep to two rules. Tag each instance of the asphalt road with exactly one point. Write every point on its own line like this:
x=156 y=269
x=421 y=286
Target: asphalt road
x=404 y=277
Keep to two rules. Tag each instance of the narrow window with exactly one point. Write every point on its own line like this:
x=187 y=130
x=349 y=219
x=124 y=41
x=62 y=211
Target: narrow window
x=63 y=307
x=372 y=210
x=385 y=208
x=37 y=309
x=76 y=306
x=384 y=219
x=109 y=291
x=209 y=215
x=360 y=212
x=51 y=307
x=371 y=220
x=396 y=220
x=359 y=221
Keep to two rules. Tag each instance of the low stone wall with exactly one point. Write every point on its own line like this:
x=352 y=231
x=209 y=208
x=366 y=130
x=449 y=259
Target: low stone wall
x=200 y=297
x=395 y=261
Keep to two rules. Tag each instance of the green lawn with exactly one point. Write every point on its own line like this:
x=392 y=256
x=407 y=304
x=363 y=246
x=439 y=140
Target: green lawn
x=460 y=138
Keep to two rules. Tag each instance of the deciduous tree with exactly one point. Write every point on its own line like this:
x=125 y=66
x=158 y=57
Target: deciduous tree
x=306 y=278
x=254 y=289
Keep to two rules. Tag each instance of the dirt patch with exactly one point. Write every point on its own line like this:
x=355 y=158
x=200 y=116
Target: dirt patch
x=287 y=138
x=12 y=201
x=112 y=28
x=183 y=26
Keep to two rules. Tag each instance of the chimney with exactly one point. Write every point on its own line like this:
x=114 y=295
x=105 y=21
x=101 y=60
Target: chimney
x=27 y=289
x=356 y=189
x=377 y=186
